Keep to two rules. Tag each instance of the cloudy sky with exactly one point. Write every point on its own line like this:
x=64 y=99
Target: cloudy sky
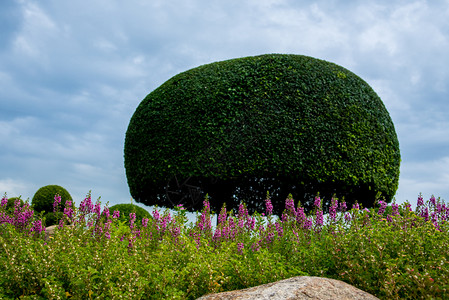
x=73 y=72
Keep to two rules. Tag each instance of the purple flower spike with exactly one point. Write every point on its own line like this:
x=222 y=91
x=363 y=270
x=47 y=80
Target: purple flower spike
x=106 y=212
x=145 y=222
x=240 y=248
x=68 y=210
x=308 y=223
x=206 y=204
x=116 y=214
x=317 y=202
x=269 y=206
x=56 y=202
x=433 y=201
x=279 y=229
x=132 y=218
x=37 y=227
x=156 y=215
x=333 y=209
x=434 y=216
x=241 y=223
x=425 y=214
x=395 y=208
x=383 y=205
x=97 y=209
x=223 y=216
x=290 y=205
x=243 y=212
x=343 y=206
x=300 y=215
x=319 y=217
x=347 y=217
x=86 y=206
x=420 y=201
x=4 y=201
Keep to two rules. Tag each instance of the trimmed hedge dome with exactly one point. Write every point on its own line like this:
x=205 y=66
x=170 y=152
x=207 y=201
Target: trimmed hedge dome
x=44 y=198
x=236 y=129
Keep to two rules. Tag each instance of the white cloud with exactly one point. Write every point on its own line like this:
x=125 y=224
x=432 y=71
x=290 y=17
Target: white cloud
x=429 y=177
x=37 y=30
x=14 y=188
x=71 y=77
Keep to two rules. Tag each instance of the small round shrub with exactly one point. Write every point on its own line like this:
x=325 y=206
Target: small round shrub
x=127 y=208
x=44 y=198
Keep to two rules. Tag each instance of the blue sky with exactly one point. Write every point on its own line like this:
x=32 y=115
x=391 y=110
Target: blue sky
x=72 y=74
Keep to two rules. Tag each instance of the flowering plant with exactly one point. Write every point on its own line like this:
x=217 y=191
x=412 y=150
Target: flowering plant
x=389 y=251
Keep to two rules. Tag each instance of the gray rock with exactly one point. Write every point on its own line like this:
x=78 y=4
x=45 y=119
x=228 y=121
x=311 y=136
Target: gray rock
x=50 y=230
x=296 y=288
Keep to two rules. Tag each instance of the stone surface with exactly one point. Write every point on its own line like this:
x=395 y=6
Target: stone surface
x=50 y=230
x=296 y=288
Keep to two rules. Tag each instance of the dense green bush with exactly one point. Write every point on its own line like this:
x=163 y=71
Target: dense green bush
x=280 y=123
x=127 y=208
x=53 y=218
x=44 y=198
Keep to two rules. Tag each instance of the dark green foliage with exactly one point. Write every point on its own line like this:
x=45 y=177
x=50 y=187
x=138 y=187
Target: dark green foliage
x=53 y=218
x=280 y=123
x=44 y=198
x=127 y=208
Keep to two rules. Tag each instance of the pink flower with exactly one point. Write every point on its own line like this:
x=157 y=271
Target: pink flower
x=240 y=247
x=106 y=212
x=279 y=229
x=269 y=207
x=4 y=201
x=433 y=200
x=156 y=215
x=290 y=205
x=343 y=206
x=222 y=216
x=145 y=222
x=56 y=202
x=319 y=217
x=382 y=207
x=420 y=201
x=68 y=210
x=333 y=209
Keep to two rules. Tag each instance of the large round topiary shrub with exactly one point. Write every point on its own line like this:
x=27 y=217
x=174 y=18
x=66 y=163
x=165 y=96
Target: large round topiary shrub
x=280 y=123
x=44 y=198
x=127 y=208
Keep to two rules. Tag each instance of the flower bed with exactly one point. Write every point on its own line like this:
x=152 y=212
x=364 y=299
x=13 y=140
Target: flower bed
x=391 y=251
